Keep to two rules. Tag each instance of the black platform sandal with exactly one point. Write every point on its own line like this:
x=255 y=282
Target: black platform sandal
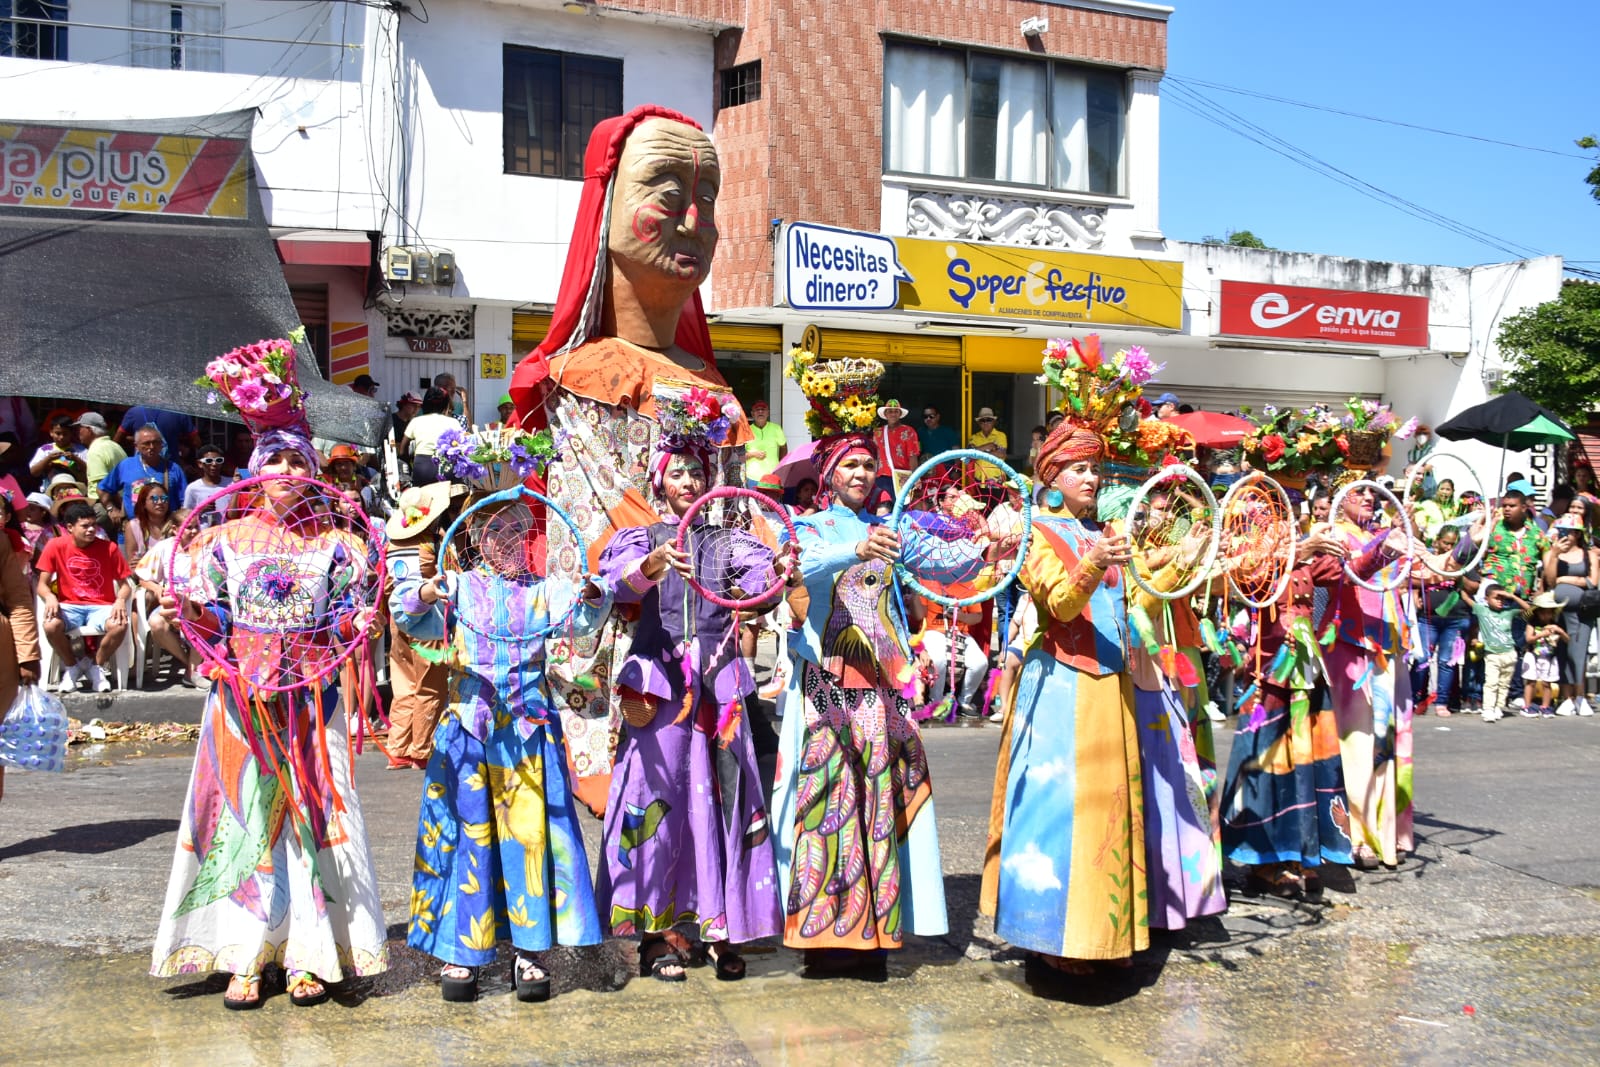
x=726 y=959
x=531 y=979
x=456 y=989
x=660 y=952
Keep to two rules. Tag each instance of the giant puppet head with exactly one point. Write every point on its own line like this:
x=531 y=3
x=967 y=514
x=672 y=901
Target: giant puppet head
x=641 y=246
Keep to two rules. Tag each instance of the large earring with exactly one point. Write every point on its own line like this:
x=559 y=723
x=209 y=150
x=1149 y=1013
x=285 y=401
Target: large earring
x=1054 y=499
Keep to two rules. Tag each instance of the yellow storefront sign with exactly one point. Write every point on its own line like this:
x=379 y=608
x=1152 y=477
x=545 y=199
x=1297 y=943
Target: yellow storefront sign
x=104 y=170
x=1005 y=281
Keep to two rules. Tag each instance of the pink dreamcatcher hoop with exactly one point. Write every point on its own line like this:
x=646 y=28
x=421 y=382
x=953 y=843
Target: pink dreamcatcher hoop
x=735 y=539
x=300 y=581
x=741 y=527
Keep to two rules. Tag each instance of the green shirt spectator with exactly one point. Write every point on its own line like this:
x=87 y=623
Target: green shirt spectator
x=101 y=454
x=768 y=445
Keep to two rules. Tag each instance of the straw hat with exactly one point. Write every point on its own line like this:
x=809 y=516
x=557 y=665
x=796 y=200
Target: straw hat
x=418 y=508
x=1546 y=599
x=894 y=406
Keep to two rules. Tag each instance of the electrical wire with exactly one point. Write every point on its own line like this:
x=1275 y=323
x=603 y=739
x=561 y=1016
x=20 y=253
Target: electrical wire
x=1181 y=80
x=1203 y=107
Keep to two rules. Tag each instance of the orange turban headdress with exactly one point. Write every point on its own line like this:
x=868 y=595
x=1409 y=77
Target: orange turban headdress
x=1067 y=443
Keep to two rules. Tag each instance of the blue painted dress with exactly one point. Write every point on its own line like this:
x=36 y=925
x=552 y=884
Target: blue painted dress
x=856 y=843
x=499 y=850
x=1065 y=874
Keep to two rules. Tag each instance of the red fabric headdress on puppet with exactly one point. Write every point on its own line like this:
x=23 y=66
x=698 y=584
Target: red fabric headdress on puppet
x=583 y=279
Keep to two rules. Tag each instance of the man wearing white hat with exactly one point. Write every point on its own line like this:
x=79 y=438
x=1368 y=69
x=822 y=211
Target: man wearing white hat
x=987 y=435
x=898 y=446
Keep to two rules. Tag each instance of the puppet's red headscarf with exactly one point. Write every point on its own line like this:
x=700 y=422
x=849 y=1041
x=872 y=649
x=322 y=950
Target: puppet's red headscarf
x=585 y=265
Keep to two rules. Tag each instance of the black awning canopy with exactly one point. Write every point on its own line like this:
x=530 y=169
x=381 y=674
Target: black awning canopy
x=128 y=307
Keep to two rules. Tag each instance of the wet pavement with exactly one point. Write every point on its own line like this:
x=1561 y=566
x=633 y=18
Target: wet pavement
x=1481 y=948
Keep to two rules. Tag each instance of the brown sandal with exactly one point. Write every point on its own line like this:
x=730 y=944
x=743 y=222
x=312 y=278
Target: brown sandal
x=659 y=952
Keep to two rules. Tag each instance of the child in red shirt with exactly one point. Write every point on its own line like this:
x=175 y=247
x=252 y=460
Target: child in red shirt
x=83 y=584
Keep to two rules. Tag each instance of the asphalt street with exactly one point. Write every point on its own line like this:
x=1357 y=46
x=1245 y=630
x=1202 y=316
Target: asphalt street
x=1480 y=949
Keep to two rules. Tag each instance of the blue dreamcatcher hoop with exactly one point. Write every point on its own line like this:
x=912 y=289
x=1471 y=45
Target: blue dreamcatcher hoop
x=958 y=529
x=501 y=530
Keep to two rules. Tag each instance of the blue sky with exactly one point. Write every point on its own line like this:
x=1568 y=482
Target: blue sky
x=1520 y=72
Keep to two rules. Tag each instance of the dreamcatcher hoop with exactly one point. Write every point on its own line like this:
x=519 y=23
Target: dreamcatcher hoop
x=269 y=573
x=1163 y=480
x=1407 y=499
x=784 y=533
x=526 y=497
x=906 y=494
x=1401 y=567
x=1232 y=501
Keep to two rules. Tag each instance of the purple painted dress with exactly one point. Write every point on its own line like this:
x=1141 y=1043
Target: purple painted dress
x=687 y=837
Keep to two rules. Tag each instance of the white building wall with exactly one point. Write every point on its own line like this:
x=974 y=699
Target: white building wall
x=509 y=232
x=318 y=132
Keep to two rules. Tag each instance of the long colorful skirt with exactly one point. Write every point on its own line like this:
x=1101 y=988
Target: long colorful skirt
x=1284 y=799
x=499 y=851
x=857 y=846
x=1066 y=876
x=272 y=867
x=1372 y=705
x=1180 y=834
x=687 y=836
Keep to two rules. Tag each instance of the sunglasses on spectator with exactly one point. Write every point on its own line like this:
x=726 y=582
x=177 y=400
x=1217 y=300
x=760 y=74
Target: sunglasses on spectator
x=157 y=499
x=214 y=461
x=929 y=415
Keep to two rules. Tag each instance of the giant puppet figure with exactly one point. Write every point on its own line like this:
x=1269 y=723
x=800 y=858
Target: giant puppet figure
x=627 y=316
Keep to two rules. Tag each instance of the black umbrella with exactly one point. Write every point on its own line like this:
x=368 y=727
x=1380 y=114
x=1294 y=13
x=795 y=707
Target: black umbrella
x=1510 y=421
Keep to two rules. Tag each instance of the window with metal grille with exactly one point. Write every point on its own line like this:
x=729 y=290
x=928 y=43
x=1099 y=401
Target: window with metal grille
x=552 y=102
x=170 y=36
x=27 y=29
x=741 y=84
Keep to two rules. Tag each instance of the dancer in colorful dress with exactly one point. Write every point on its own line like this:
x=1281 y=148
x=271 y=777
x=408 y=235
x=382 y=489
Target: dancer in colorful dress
x=1176 y=753
x=687 y=836
x=627 y=314
x=1371 y=696
x=1285 y=813
x=857 y=845
x=272 y=864
x=499 y=850
x=1064 y=873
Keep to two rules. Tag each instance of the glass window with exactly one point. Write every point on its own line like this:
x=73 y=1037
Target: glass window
x=165 y=38
x=960 y=114
x=740 y=85
x=552 y=101
x=25 y=33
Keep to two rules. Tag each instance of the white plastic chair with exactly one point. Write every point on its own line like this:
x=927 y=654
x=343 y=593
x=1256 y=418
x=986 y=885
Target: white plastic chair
x=50 y=664
x=144 y=648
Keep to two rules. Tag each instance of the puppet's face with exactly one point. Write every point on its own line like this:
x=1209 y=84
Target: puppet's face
x=663 y=209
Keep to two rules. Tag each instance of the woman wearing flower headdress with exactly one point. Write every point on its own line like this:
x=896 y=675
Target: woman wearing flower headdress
x=628 y=313
x=272 y=864
x=1064 y=873
x=857 y=846
x=687 y=836
x=1371 y=697
x=499 y=851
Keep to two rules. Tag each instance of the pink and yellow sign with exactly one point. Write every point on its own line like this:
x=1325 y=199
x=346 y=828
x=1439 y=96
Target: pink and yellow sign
x=104 y=170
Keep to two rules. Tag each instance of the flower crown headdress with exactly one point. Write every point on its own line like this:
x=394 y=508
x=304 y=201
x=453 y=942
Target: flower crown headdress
x=692 y=416
x=260 y=383
x=490 y=460
x=1105 y=394
x=843 y=393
